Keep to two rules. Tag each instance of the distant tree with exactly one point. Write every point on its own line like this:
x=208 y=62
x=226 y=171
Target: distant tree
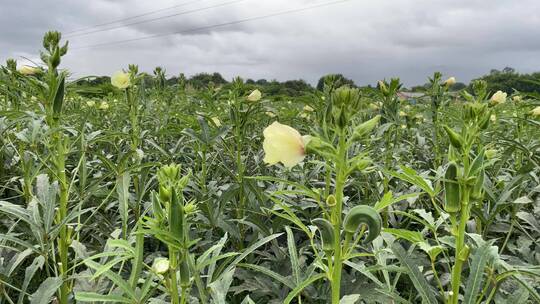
x=262 y=82
x=509 y=80
x=297 y=87
x=204 y=79
x=340 y=80
x=458 y=86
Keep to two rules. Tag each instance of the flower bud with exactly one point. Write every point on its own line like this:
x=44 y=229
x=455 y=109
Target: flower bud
x=55 y=57
x=104 y=105
x=331 y=200
x=317 y=145
x=455 y=139
x=366 y=127
x=190 y=208
x=164 y=194
x=491 y=153
x=464 y=253
x=308 y=108
x=363 y=164
x=382 y=87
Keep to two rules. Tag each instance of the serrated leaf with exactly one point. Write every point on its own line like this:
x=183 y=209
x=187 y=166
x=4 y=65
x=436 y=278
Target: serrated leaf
x=418 y=279
x=481 y=257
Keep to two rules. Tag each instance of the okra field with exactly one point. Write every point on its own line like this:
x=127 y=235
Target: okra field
x=143 y=189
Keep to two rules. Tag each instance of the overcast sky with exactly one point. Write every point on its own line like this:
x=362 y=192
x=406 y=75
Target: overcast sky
x=365 y=40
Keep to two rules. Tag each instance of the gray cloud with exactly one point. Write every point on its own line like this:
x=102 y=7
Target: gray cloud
x=364 y=39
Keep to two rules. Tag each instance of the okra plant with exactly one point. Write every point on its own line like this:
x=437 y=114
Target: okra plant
x=342 y=225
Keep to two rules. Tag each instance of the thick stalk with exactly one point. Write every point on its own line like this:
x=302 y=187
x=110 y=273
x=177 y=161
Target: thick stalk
x=63 y=241
x=434 y=118
x=135 y=142
x=460 y=244
x=172 y=275
x=336 y=219
x=240 y=177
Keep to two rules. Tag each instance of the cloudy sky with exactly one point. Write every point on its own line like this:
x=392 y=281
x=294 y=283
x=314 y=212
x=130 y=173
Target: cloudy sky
x=365 y=40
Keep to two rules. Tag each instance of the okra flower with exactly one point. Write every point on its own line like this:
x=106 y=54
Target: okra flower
x=120 y=80
x=498 y=98
x=536 y=111
x=254 y=96
x=161 y=265
x=90 y=103
x=283 y=144
x=28 y=70
x=450 y=81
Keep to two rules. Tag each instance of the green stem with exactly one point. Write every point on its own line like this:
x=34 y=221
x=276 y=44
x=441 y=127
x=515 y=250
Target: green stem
x=135 y=142
x=341 y=172
x=460 y=244
x=63 y=241
x=172 y=275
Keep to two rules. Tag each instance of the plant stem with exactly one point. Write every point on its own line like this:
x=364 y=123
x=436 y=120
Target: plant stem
x=135 y=142
x=460 y=244
x=63 y=241
x=172 y=274
x=336 y=218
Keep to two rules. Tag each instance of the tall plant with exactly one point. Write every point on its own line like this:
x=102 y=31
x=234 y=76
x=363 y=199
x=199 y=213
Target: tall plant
x=335 y=140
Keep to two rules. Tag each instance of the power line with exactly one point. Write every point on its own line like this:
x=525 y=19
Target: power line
x=133 y=17
x=196 y=29
x=157 y=18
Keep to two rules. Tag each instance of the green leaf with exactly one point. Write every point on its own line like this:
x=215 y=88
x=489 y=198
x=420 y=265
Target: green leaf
x=388 y=200
x=418 y=279
x=93 y=297
x=301 y=287
x=350 y=299
x=59 y=97
x=411 y=236
x=409 y=175
x=481 y=257
x=122 y=189
x=293 y=255
x=220 y=287
x=126 y=288
x=46 y=290
x=247 y=251
x=276 y=276
x=247 y=300
x=29 y=274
